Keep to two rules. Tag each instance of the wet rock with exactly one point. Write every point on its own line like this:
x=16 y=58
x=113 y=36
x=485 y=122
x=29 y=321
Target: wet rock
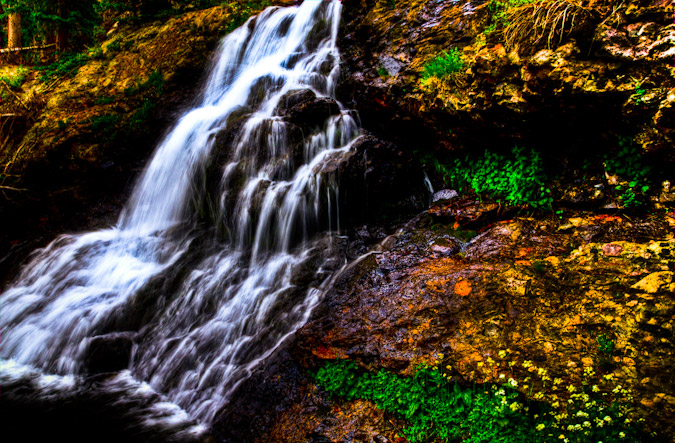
x=445 y=194
x=310 y=112
x=108 y=353
x=518 y=285
x=294 y=98
x=380 y=178
x=466 y=211
x=446 y=246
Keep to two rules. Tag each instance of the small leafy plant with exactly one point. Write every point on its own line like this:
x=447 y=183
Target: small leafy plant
x=434 y=406
x=383 y=73
x=516 y=179
x=443 y=65
x=596 y=409
x=639 y=91
x=605 y=345
x=628 y=164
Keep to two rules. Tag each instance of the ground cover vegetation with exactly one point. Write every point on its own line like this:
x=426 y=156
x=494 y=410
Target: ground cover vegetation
x=534 y=408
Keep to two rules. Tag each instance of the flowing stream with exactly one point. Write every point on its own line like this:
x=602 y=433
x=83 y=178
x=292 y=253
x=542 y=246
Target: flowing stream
x=223 y=249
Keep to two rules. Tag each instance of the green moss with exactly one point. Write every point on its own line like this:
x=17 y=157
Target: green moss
x=383 y=73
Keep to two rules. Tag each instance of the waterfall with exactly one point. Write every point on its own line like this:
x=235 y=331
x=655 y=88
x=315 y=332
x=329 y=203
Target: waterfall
x=224 y=247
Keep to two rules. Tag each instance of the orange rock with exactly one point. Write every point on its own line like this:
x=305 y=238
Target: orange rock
x=326 y=353
x=463 y=288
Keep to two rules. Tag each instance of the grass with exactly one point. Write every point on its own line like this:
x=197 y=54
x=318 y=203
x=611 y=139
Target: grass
x=443 y=65
x=535 y=23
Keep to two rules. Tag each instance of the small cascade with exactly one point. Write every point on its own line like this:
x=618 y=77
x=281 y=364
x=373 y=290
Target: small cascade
x=225 y=245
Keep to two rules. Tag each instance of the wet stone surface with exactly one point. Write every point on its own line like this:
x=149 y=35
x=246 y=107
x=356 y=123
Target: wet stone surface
x=543 y=288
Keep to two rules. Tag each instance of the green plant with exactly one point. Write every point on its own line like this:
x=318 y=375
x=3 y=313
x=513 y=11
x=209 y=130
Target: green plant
x=139 y=117
x=639 y=91
x=499 y=10
x=66 y=65
x=434 y=406
x=154 y=84
x=605 y=345
x=104 y=100
x=516 y=179
x=443 y=65
x=437 y=409
x=114 y=46
x=15 y=79
x=383 y=73
x=627 y=164
x=103 y=122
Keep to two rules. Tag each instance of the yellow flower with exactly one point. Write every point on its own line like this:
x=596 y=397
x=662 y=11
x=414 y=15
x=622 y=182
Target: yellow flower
x=501 y=354
x=540 y=426
x=595 y=388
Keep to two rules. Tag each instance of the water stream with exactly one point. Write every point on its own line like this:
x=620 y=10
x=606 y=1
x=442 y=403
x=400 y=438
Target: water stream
x=224 y=247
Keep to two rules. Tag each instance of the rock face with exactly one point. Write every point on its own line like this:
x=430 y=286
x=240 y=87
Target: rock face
x=610 y=74
x=543 y=288
x=108 y=353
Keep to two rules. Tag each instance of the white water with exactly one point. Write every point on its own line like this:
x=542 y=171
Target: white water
x=213 y=272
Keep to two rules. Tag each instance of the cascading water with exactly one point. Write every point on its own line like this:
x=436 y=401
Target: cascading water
x=207 y=279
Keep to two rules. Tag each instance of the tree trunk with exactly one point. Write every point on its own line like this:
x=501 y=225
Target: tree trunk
x=14 y=32
x=61 y=32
